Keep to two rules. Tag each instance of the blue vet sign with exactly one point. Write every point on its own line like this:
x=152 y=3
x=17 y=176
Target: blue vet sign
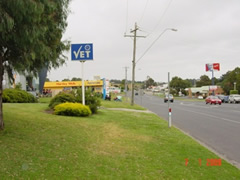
x=82 y=52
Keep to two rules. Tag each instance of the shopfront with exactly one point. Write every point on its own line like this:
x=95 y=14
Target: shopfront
x=56 y=87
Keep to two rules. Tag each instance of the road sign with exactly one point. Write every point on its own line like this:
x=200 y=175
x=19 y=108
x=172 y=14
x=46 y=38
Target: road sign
x=82 y=52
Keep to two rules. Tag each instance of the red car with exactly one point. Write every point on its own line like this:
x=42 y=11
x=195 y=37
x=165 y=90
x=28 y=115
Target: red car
x=213 y=100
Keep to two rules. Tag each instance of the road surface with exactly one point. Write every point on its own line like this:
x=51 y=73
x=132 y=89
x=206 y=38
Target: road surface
x=216 y=126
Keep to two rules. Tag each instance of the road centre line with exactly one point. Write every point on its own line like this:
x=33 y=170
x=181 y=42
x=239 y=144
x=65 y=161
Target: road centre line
x=224 y=119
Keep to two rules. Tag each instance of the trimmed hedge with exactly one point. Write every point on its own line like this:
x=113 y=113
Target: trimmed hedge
x=233 y=92
x=61 y=98
x=72 y=109
x=17 y=96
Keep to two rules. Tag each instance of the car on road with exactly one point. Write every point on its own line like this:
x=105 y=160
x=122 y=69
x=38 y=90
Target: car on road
x=220 y=96
x=225 y=99
x=213 y=100
x=171 y=99
x=200 y=97
x=234 y=98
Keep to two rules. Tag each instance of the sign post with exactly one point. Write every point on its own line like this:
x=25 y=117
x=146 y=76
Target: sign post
x=169 y=109
x=83 y=85
x=82 y=53
x=213 y=67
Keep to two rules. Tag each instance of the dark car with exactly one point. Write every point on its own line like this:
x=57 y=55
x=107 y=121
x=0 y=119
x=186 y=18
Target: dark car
x=213 y=100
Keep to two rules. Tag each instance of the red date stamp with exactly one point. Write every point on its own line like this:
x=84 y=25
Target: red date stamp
x=209 y=162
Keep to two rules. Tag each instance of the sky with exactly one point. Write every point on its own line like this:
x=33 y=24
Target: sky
x=208 y=31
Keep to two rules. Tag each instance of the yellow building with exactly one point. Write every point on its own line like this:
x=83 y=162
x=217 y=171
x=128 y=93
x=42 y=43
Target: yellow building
x=56 y=87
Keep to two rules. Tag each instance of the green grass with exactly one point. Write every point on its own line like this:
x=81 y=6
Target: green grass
x=125 y=103
x=44 y=100
x=109 y=145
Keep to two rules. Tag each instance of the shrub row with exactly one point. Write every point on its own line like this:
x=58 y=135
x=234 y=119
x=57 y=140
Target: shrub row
x=233 y=92
x=72 y=109
x=17 y=96
x=91 y=99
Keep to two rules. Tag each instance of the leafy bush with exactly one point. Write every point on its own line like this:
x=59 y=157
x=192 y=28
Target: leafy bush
x=72 y=109
x=92 y=99
x=233 y=92
x=17 y=96
x=61 y=98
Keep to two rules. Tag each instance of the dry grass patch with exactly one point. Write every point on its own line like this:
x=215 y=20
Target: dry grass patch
x=112 y=140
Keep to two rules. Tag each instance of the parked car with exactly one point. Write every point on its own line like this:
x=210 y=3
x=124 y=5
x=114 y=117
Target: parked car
x=200 y=97
x=226 y=99
x=213 y=100
x=221 y=97
x=234 y=98
x=171 y=99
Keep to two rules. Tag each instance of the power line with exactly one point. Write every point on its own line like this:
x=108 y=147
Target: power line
x=126 y=17
x=164 y=12
x=154 y=43
x=144 y=11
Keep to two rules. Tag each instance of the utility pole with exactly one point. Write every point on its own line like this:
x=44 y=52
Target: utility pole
x=134 y=31
x=126 y=68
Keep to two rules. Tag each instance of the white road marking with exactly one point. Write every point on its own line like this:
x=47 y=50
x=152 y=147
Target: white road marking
x=212 y=116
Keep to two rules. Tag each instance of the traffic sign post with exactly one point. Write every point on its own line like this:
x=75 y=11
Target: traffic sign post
x=82 y=53
x=169 y=108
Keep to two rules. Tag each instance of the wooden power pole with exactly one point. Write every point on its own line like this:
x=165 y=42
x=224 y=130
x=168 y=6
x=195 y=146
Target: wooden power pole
x=134 y=31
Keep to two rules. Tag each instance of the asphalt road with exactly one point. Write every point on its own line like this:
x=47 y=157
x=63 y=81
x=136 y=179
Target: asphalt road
x=216 y=126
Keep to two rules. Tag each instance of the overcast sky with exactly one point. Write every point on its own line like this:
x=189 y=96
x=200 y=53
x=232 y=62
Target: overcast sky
x=208 y=32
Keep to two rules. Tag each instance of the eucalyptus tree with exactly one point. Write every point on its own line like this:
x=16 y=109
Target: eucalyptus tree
x=31 y=37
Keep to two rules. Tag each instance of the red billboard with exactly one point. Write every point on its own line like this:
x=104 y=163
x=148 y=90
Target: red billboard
x=213 y=67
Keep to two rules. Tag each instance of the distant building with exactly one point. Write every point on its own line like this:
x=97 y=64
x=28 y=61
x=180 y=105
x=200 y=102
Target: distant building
x=204 y=91
x=32 y=85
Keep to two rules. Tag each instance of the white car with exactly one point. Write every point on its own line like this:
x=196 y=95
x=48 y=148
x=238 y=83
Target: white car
x=200 y=97
x=171 y=99
x=234 y=98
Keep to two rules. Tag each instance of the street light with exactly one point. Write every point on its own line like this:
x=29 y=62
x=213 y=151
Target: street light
x=235 y=86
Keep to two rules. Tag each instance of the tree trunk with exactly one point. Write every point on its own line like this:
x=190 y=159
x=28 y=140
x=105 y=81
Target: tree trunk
x=1 y=93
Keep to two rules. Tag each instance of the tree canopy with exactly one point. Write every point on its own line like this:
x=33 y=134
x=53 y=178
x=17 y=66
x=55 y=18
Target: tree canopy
x=150 y=82
x=31 y=33
x=204 y=81
x=229 y=79
x=179 y=84
x=76 y=79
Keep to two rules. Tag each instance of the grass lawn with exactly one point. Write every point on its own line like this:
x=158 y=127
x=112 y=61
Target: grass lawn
x=109 y=145
x=125 y=103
